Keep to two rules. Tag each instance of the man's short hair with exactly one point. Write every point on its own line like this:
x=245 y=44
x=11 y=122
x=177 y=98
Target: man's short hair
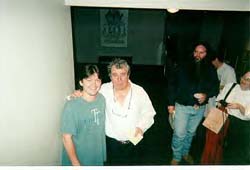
x=217 y=55
x=118 y=63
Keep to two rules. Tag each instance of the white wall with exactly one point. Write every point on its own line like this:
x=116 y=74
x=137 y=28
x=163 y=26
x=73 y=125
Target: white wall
x=224 y=5
x=36 y=73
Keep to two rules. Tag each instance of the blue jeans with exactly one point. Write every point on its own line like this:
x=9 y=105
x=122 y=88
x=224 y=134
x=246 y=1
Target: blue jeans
x=186 y=121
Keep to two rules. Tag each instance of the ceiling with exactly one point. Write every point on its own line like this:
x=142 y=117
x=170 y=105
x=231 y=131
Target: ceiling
x=213 y=5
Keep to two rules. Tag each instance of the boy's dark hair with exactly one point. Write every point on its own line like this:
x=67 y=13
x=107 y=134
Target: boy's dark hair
x=89 y=70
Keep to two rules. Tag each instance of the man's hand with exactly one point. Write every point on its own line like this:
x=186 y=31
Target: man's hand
x=202 y=98
x=236 y=106
x=171 y=109
x=76 y=93
x=138 y=131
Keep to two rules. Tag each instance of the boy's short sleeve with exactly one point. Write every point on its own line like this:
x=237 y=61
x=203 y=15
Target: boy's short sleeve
x=68 y=120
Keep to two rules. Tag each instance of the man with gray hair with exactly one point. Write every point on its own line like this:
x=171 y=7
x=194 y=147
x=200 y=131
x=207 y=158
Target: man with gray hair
x=129 y=113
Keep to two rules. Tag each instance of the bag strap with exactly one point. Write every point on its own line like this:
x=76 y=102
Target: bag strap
x=229 y=91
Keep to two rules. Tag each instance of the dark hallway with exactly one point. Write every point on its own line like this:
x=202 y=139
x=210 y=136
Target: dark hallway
x=155 y=148
x=176 y=33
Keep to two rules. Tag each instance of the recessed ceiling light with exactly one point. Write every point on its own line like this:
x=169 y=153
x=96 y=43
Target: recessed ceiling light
x=172 y=10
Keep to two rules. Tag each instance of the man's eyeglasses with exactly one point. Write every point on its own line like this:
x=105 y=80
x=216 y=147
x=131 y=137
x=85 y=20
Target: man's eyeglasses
x=246 y=79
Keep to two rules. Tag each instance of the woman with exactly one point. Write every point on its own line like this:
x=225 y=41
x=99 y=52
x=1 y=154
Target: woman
x=237 y=105
x=83 y=123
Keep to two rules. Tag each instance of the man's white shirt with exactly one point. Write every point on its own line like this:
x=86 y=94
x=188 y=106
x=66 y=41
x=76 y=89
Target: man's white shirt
x=136 y=111
x=226 y=74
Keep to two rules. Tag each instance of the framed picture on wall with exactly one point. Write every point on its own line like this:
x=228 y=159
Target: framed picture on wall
x=113 y=27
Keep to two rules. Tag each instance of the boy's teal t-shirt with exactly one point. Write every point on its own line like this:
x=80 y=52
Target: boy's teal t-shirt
x=86 y=122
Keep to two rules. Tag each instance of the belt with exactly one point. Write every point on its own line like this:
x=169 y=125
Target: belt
x=195 y=106
x=124 y=142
